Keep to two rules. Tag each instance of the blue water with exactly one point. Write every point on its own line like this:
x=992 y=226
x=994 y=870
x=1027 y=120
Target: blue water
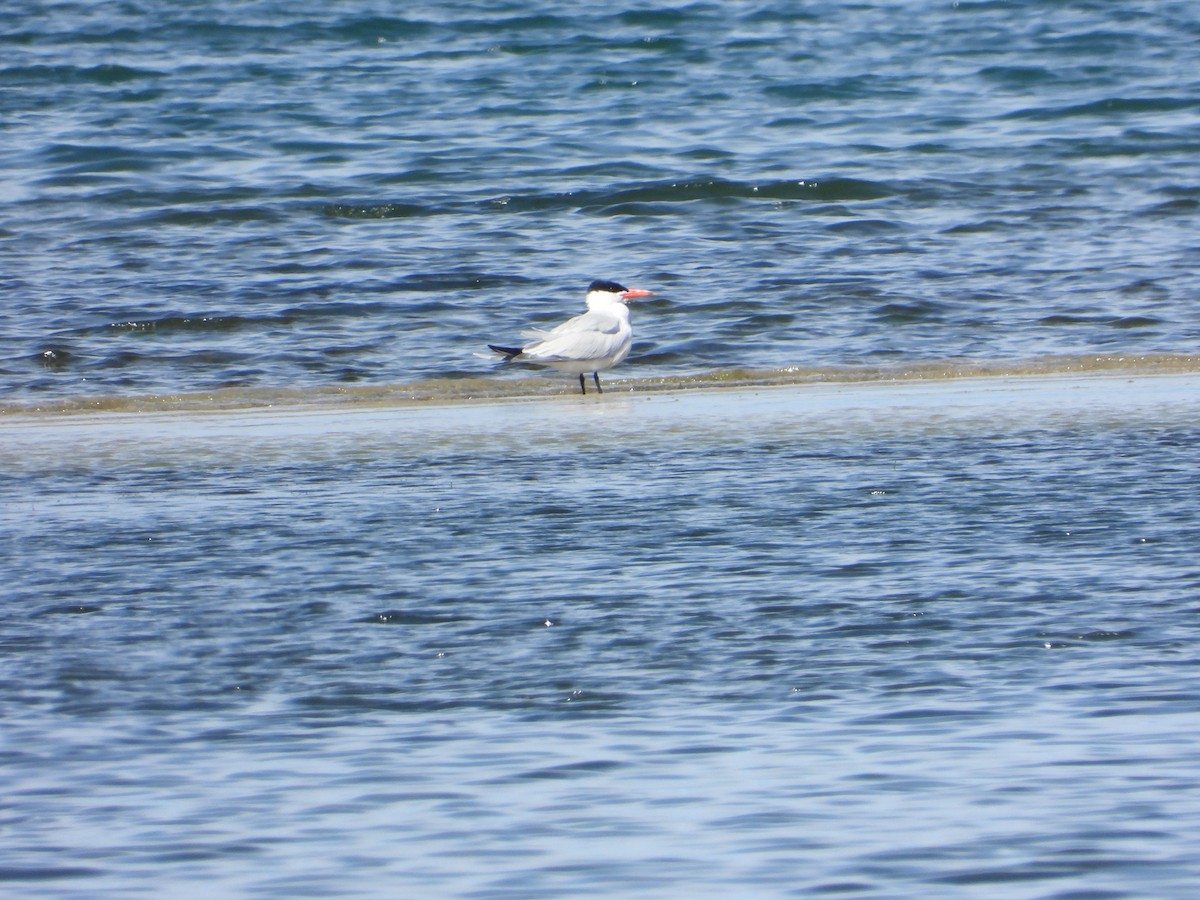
x=302 y=194
x=285 y=614
x=908 y=640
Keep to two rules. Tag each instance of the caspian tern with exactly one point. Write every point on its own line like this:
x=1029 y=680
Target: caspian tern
x=592 y=342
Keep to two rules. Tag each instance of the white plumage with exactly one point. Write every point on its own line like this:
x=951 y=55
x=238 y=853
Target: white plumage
x=592 y=342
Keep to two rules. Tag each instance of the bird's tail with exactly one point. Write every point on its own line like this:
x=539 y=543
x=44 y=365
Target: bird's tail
x=507 y=352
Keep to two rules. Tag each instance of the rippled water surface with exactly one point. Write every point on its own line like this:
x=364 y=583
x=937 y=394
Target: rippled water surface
x=308 y=194
x=912 y=639
x=290 y=611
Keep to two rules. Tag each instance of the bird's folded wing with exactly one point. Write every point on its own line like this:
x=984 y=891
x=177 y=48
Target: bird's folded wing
x=590 y=321
x=575 y=345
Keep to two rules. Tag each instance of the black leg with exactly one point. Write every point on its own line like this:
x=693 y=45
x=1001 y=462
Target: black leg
x=596 y=375
x=582 y=386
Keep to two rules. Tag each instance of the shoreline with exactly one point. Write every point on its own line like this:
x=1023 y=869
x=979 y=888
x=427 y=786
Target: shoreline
x=536 y=387
x=657 y=422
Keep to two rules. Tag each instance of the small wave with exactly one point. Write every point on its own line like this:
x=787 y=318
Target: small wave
x=1107 y=107
x=197 y=323
x=456 y=281
x=379 y=210
x=380 y=29
x=903 y=313
x=840 y=89
x=864 y=227
x=1170 y=208
x=190 y=217
x=77 y=158
x=215 y=323
x=659 y=197
x=1124 y=322
x=695 y=190
x=105 y=74
x=1017 y=75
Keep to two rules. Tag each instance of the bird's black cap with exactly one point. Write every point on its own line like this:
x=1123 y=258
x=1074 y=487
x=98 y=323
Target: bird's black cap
x=610 y=287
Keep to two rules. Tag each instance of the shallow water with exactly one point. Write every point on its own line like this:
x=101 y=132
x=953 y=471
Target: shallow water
x=923 y=639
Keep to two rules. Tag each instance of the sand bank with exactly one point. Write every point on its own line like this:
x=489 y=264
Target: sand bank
x=687 y=418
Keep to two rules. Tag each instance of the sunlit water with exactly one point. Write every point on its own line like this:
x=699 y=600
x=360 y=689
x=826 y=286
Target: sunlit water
x=873 y=573
x=904 y=640
x=298 y=195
